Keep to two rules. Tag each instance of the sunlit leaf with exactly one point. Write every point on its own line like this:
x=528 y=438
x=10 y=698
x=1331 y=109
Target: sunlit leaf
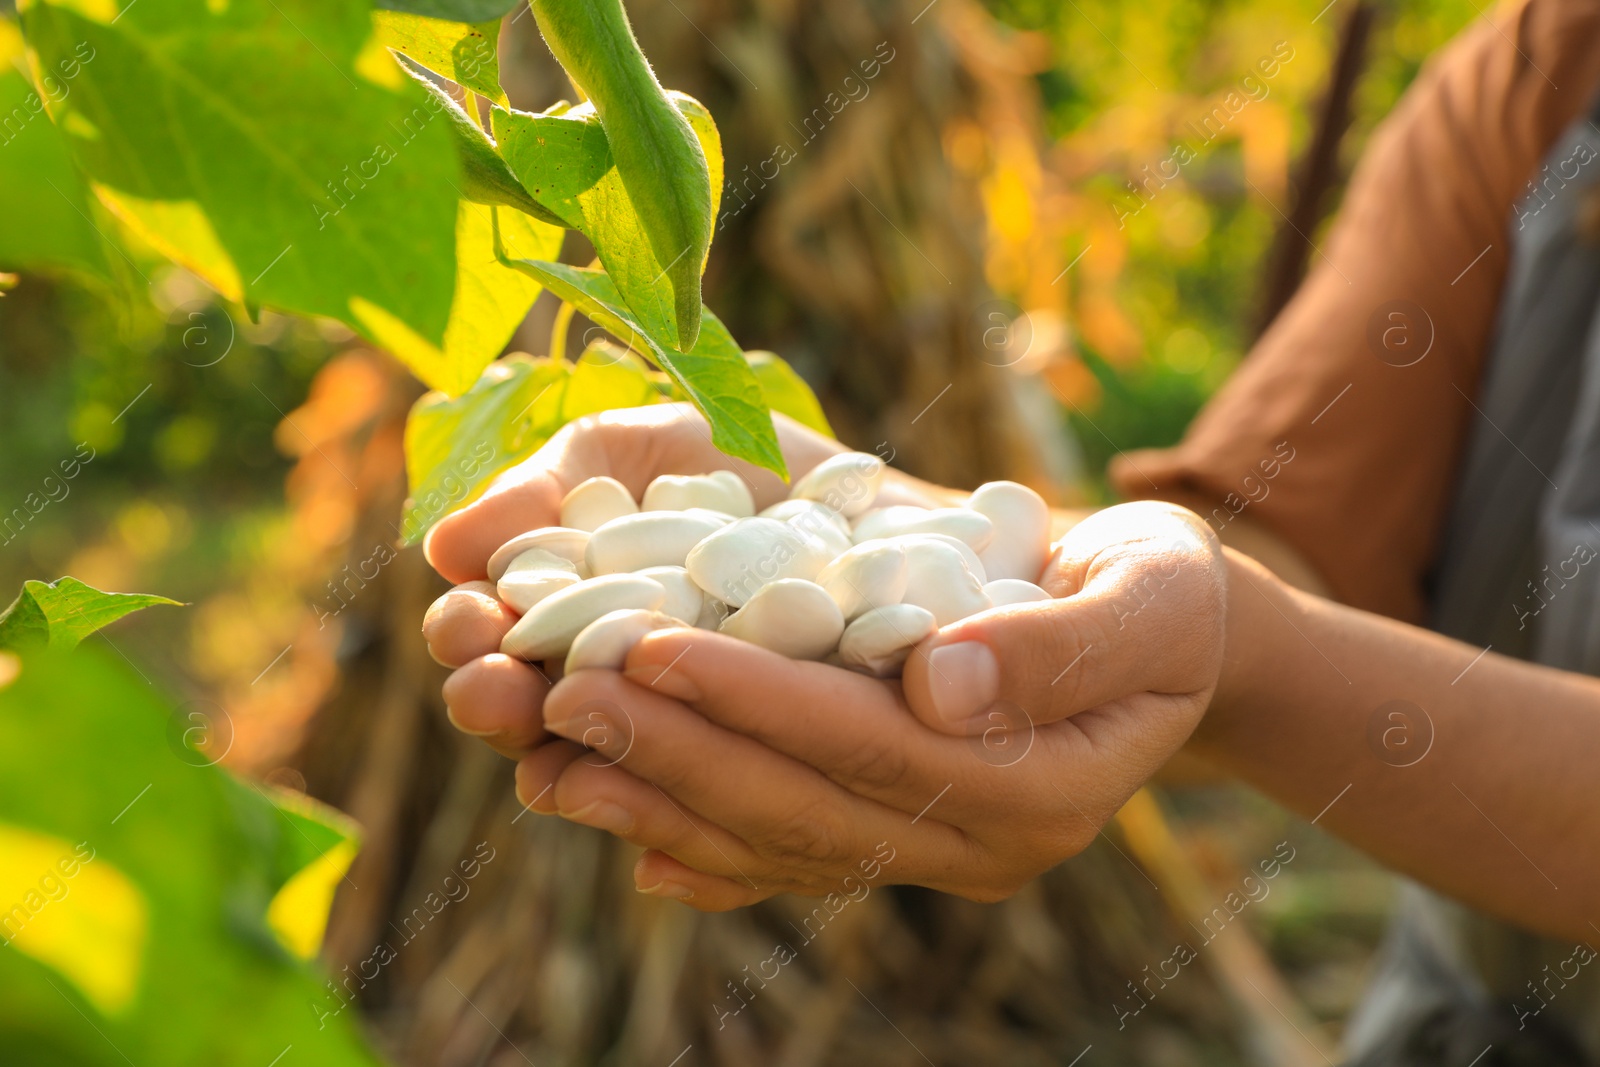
x=454 y=446
x=485 y=178
x=457 y=10
x=464 y=52
x=60 y=614
x=564 y=161
x=787 y=392
x=490 y=301
x=324 y=190
x=48 y=209
x=83 y=919
x=93 y=772
x=714 y=374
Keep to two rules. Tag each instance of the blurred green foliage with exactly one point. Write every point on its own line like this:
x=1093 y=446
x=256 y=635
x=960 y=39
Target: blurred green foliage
x=1184 y=275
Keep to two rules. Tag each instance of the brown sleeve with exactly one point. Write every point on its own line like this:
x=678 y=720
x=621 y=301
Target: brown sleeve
x=1350 y=458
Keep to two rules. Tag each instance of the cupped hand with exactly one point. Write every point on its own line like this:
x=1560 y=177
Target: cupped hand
x=1014 y=736
x=492 y=695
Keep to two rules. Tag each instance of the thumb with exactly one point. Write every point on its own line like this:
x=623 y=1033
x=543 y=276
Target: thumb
x=1136 y=621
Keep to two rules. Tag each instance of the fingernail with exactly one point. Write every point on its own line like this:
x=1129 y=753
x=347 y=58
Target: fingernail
x=602 y=815
x=450 y=713
x=963 y=679
x=669 y=890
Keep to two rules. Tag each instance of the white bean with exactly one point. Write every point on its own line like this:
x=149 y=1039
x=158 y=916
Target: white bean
x=818 y=520
x=560 y=541
x=848 y=483
x=938 y=579
x=722 y=491
x=1023 y=518
x=684 y=599
x=649 y=539
x=1003 y=591
x=880 y=641
x=595 y=502
x=547 y=630
x=866 y=577
x=790 y=616
x=734 y=562
x=534 y=575
x=965 y=525
x=605 y=643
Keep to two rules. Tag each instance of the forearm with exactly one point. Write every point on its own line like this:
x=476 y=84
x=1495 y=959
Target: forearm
x=1479 y=783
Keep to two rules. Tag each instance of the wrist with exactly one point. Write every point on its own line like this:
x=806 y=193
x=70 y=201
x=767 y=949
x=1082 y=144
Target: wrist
x=1257 y=604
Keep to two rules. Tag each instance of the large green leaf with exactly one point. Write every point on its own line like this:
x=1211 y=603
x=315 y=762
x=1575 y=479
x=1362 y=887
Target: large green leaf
x=490 y=301
x=454 y=448
x=48 y=209
x=59 y=614
x=456 y=10
x=485 y=178
x=713 y=375
x=464 y=52
x=786 y=391
x=564 y=161
x=137 y=880
x=249 y=140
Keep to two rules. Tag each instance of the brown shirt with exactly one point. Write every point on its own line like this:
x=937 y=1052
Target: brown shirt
x=1321 y=435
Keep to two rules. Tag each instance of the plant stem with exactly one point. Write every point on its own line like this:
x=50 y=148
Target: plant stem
x=558 y=332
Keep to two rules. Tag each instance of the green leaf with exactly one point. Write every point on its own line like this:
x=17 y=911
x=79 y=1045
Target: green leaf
x=176 y=870
x=786 y=391
x=713 y=374
x=564 y=161
x=606 y=377
x=490 y=301
x=454 y=448
x=464 y=52
x=300 y=181
x=59 y=614
x=49 y=213
x=485 y=178
x=454 y=10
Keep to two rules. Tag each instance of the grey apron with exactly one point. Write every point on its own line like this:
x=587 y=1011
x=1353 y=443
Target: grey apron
x=1519 y=570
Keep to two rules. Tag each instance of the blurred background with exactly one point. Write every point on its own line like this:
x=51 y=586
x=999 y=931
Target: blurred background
x=958 y=260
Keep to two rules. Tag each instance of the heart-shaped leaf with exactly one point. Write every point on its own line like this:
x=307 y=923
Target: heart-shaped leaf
x=786 y=391
x=464 y=52
x=49 y=212
x=713 y=374
x=490 y=301
x=59 y=614
x=564 y=161
x=302 y=182
x=454 y=448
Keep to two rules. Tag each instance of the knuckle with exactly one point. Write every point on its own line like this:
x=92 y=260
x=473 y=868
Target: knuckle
x=881 y=763
x=813 y=837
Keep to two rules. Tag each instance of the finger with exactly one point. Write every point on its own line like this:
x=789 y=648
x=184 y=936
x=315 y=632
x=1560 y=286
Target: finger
x=538 y=772
x=660 y=875
x=851 y=728
x=593 y=793
x=501 y=700
x=786 y=811
x=1140 y=614
x=465 y=623
x=524 y=498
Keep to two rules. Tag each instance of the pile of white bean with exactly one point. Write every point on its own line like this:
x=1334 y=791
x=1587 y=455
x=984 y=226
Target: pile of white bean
x=823 y=575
